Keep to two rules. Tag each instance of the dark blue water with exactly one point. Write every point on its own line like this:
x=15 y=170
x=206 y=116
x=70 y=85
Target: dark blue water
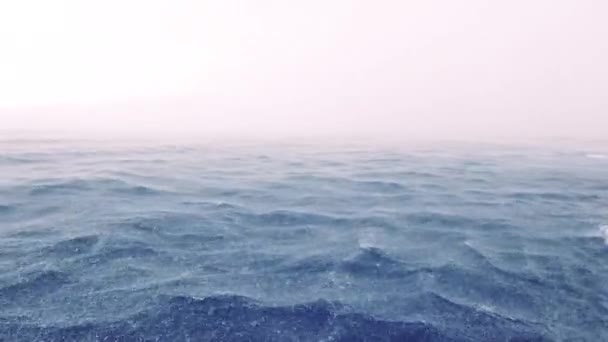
x=102 y=242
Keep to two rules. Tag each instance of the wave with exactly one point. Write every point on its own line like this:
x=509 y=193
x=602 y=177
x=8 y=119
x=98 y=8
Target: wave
x=480 y=325
x=110 y=253
x=309 y=265
x=286 y=218
x=439 y=219
x=345 y=183
x=81 y=185
x=236 y=318
x=74 y=246
x=398 y=174
x=554 y=196
x=59 y=187
x=7 y=209
x=34 y=288
x=137 y=190
x=373 y=262
x=22 y=159
x=379 y=186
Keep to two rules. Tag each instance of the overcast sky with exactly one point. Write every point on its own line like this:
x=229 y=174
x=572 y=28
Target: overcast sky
x=408 y=69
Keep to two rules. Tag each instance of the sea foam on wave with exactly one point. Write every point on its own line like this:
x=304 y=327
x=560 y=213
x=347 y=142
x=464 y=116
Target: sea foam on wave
x=604 y=233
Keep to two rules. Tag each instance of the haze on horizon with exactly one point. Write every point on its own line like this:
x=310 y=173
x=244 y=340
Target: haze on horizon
x=403 y=69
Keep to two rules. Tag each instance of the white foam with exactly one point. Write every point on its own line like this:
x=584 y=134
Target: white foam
x=604 y=233
x=368 y=238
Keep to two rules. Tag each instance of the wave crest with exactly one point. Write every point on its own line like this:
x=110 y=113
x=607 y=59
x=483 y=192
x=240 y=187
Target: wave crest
x=233 y=318
x=604 y=233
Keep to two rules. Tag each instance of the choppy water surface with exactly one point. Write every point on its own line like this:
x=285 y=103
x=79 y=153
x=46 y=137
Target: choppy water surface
x=271 y=243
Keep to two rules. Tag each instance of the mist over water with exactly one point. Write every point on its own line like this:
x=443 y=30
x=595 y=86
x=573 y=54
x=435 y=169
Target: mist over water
x=232 y=242
x=431 y=70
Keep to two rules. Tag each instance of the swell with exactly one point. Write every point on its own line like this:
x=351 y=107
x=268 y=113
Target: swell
x=440 y=219
x=367 y=262
x=9 y=160
x=295 y=218
x=73 y=246
x=236 y=318
x=33 y=288
x=473 y=323
x=286 y=218
x=345 y=183
x=555 y=196
x=373 y=262
x=7 y=209
x=70 y=186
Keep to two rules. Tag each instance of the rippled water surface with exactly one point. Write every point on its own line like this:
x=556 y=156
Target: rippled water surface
x=301 y=243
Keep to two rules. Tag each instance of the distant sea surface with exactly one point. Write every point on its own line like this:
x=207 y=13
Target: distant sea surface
x=210 y=242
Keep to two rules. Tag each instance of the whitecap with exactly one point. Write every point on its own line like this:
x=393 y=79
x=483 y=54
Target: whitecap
x=604 y=233
x=368 y=238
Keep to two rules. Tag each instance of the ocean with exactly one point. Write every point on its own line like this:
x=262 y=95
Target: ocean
x=280 y=242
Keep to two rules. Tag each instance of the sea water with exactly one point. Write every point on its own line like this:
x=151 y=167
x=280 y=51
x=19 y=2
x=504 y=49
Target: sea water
x=267 y=242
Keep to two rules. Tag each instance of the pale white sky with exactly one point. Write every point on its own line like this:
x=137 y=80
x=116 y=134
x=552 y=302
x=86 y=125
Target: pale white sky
x=431 y=69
